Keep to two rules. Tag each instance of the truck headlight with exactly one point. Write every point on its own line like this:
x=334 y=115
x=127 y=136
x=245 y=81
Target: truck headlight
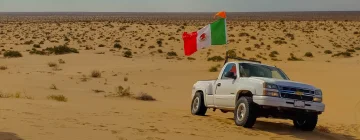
x=318 y=92
x=270 y=86
x=273 y=93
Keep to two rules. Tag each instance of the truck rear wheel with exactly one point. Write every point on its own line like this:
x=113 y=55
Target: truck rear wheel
x=198 y=106
x=245 y=112
x=307 y=123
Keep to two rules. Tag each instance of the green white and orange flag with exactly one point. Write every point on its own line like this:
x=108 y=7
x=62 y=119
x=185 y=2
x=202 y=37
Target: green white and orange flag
x=212 y=34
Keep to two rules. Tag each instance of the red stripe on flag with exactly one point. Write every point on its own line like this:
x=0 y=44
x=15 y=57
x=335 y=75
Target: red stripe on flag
x=190 y=45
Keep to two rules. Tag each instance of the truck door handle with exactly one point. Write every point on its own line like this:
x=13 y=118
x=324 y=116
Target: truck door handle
x=219 y=84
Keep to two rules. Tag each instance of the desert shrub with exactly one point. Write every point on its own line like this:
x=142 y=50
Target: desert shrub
x=101 y=45
x=61 y=61
x=96 y=74
x=53 y=87
x=273 y=54
x=160 y=51
x=213 y=69
x=126 y=79
x=172 y=53
x=121 y=92
x=308 y=54
x=243 y=34
x=12 y=54
x=294 y=58
x=3 y=68
x=159 y=42
x=216 y=58
x=60 y=98
x=36 y=46
x=232 y=54
x=127 y=54
x=356 y=32
x=151 y=47
x=253 y=37
x=117 y=45
x=291 y=36
x=248 y=48
x=145 y=97
x=191 y=58
x=343 y=54
x=52 y=64
x=357 y=48
x=350 y=50
x=328 y=52
x=61 y=49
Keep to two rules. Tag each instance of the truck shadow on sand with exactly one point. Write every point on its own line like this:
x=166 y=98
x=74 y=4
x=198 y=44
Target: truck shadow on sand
x=288 y=130
x=9 y=136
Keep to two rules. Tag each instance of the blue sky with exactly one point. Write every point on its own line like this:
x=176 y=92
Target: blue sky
x=176 y=5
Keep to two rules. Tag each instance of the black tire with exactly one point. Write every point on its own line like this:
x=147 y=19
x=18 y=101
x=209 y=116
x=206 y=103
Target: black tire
x=199 y=109
x=307 y=123
x=248 y=117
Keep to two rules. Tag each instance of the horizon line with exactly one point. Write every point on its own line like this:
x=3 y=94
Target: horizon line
x=166 y=12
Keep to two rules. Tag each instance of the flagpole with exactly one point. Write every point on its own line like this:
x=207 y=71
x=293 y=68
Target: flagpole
x=226 y=45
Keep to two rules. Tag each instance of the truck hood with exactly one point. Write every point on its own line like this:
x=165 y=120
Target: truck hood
x=285 y=83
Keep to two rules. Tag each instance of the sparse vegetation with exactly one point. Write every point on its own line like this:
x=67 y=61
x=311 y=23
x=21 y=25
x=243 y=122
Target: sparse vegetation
x=216 y=59
x=59 y=98
x=17 y=95
x=273 y=54
x=117 y=46
x=127 y=54
x=96 y=74
x=3 y=68
x=213 y=69
x=308 y=54
x=57 y=50
x=343 y=54
x=53 y=87
x=12 y=54
x=52 y=64
x=172 y=53
x=328 y=52
x=145 y=97
x=294 y=58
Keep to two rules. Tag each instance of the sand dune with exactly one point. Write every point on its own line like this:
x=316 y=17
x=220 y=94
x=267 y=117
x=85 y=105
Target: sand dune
x=157 y=66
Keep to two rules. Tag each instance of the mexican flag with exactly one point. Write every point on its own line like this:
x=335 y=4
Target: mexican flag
x=212 y=34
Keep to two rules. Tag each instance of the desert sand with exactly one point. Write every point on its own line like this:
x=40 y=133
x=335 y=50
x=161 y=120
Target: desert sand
x=93 y=109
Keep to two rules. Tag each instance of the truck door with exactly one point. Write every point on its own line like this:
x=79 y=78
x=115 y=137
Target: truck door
x=225 y=88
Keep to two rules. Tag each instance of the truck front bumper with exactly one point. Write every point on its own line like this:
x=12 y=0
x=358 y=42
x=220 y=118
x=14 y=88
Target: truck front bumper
x=287 y=103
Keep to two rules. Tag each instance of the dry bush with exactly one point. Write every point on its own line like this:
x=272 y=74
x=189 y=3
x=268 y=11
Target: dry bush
x=172 y=53
x=294 y=58
x=52 y=64
x=145 y=97
x=15 y=95
x=61 y=61
x=328 y=52
x=96 y=74
x=60 y=98
x=308 y=54
x=191 y=58
x=213 y=69
x=121 y=92
x=117 y=45
x=126 y=79
x=343 y=54
x=216 y=59
x=53 y=87
x=127 y=54
x=12 y=54
x=3 y=68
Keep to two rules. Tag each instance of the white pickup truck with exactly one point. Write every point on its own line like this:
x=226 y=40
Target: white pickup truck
x=251 y=90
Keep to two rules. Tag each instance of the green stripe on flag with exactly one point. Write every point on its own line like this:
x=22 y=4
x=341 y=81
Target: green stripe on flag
x=218 y=32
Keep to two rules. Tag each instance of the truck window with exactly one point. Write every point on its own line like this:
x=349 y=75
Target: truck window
x=254 y=70
x=231 y=68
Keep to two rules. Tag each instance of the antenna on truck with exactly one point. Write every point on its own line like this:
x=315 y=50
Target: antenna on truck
x=238 y=58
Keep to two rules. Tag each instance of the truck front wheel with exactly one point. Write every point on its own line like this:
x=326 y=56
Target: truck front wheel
x=198 y=106
x=245 y=112
x=307 y=123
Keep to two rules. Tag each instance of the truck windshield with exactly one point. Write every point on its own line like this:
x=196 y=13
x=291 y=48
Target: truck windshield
x=255 y=70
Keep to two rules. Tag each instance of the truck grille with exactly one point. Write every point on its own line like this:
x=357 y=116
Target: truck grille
x=296 y=97
x=291 y=93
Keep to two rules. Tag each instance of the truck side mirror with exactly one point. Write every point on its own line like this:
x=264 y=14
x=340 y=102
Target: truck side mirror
x=230 y=75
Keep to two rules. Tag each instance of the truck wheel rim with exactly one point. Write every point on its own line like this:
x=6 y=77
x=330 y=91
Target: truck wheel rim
x=241 y=111
x=196 y=104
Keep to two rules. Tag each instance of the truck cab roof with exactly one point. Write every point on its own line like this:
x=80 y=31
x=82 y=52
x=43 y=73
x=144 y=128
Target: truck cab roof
x=248 y=62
